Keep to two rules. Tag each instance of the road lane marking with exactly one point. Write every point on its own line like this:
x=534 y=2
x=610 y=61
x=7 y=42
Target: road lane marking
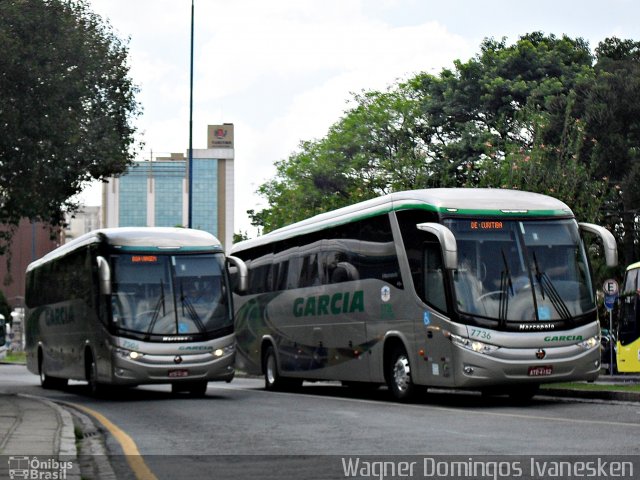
x=129 y=447
x=438 y=408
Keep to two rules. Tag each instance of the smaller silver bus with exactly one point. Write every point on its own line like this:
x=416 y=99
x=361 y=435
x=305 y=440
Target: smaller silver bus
x=131 y=306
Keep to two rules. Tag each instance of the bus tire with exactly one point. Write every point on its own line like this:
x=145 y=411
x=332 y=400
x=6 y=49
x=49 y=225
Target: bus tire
x=47 y=382
x=272 y=379
x=398 y=375
x=198 y=389
x=96 y=389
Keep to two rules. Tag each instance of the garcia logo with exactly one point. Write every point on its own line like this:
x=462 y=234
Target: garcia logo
x=341 y=302
x=563 y=338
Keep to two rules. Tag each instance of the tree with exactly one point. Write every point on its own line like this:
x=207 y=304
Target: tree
x=462 y=128
x=612 y=117
x=66 y=107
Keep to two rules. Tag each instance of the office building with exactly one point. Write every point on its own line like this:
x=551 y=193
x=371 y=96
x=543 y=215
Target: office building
x=156 y=192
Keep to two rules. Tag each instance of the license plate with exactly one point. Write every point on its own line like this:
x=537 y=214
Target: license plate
x=541 y=371
x=182 y=372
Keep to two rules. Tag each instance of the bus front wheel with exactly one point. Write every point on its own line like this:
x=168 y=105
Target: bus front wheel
x=96 y=388
x=399 y=375
x=272 y=379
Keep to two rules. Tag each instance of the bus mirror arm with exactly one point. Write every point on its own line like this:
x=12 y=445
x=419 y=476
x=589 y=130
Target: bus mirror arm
x=608 y=241
x=447 y=242
x=105 y=276
x=243 y=273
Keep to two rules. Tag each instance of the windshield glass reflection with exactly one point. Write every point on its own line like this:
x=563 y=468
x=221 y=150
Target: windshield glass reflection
x=521 y=271
x=169 y=294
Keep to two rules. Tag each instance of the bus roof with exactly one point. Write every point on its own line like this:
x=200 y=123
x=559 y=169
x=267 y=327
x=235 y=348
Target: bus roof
x=137 y=238
x=451 y=201
x=633 y=266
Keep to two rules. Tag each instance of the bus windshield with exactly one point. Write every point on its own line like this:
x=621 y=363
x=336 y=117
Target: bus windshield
x=520 y=271
x=169 y=294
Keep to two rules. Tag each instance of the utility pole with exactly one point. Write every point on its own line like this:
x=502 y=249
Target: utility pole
x=190 y=182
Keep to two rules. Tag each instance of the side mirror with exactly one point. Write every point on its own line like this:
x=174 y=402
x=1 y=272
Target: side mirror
x=243 y=273
x=104 y=272
x=608 y=241
x=447 y=242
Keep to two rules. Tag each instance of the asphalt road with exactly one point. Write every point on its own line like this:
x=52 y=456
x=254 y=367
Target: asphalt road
x=241 y=426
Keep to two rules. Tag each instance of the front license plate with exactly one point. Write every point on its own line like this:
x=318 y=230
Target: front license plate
x=180 y=372
x=541 y=371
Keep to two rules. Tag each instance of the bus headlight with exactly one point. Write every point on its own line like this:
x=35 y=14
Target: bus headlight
x=473 y=345
x=129 y=354
x=220 y=352
x=590 y=343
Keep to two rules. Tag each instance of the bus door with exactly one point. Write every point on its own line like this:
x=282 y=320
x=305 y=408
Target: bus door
x=628 y=344
x=437 y=355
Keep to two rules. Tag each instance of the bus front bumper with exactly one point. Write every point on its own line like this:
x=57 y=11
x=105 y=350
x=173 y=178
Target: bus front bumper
x=523 y=366
x=174 y=367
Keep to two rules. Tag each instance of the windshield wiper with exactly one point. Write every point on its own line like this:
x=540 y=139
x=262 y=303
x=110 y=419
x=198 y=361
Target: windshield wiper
x=554 y=297
x=505 y=285
x=191 y=310
x=156 y=310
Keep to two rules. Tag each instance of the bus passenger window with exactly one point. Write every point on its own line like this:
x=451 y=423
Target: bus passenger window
x=434 y=276
x=344 y=272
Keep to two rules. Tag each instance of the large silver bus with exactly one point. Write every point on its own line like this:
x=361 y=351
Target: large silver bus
x=483 y=289
x=130 y=306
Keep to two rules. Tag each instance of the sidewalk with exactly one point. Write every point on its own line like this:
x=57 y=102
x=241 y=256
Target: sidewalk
x=36 y=434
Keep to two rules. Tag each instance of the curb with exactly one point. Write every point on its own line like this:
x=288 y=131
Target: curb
x=592 y=394
x=67 y=438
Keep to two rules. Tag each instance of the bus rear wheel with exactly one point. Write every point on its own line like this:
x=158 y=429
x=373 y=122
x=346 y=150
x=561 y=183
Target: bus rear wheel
x=399 y=378
x=46 y=381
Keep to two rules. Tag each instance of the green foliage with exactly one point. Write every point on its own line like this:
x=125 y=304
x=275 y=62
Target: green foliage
x=66 y=106
x=240 y=236
x=612 y=116
x=542 y=115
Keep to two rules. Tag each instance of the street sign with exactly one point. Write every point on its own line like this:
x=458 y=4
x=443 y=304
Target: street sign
x=610 y=287
x=609 y=301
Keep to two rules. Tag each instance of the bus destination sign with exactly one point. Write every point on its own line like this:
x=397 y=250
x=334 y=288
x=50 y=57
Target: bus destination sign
x=486 y=225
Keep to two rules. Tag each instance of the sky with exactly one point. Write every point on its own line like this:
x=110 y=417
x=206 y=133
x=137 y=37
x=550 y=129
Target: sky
x=283 y=71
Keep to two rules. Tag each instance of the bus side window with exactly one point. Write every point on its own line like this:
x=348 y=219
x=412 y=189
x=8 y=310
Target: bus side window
x=310 y=275
x=434 y=276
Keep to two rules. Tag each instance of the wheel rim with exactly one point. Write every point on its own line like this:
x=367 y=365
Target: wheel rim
x=402 y=373
x=41 y=373
x=271 y=369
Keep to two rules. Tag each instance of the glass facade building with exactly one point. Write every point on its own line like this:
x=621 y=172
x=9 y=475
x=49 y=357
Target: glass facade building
x=155 y=193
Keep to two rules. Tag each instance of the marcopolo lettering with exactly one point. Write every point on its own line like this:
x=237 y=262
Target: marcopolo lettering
x=563 y=338
x=340 y=302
